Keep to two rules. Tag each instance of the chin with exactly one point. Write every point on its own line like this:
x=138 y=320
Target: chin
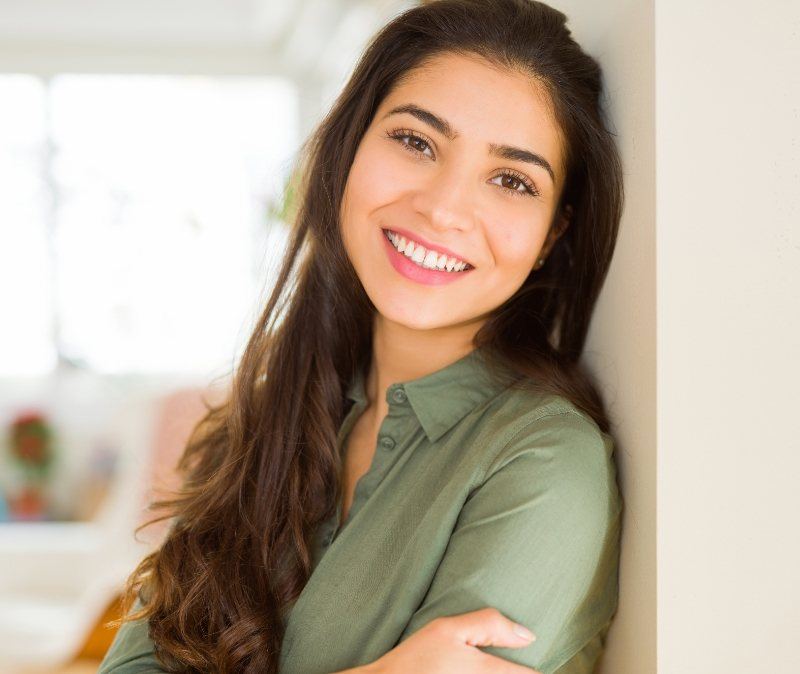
x=414 y=320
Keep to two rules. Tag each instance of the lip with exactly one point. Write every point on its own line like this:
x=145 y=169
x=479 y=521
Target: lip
x=413 y=271
x=428 y=245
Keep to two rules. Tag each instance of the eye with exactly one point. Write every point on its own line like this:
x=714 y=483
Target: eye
x=516 y=178
x=399 y=134
x=519 y=179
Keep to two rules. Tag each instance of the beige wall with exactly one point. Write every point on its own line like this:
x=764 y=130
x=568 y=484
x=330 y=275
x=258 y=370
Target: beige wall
x=697 y=332
x=621 y=348
x=728 y=223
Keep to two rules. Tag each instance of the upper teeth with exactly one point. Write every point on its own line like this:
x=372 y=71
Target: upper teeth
x=416 y=252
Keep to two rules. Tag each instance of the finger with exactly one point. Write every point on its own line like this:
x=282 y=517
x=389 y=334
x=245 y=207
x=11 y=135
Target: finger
x=488 y=627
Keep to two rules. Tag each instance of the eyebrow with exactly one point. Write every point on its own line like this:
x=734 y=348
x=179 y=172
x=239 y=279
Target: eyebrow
x=443 y=126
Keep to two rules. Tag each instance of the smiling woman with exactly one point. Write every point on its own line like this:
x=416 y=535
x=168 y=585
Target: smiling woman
x=412 y=462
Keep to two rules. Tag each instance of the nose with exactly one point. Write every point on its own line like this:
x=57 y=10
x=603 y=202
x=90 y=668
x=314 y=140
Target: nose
x=447 y=199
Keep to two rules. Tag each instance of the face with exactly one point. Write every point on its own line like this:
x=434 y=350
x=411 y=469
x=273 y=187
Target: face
x=427 y=177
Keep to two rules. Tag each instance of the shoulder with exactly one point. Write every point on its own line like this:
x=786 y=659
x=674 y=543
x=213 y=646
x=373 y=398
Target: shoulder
x=522 y=416
x=547 y=441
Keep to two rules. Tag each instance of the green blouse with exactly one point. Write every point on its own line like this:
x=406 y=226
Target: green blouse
x=478 y=495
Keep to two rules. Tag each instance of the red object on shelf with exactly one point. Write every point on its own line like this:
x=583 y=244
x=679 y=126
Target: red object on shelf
x=29 y=504
x=31 y=440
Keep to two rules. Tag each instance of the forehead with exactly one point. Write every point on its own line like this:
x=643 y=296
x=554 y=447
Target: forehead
x=483 y=103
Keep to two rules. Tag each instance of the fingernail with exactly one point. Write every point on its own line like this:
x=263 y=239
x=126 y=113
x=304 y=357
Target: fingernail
x=524 y=632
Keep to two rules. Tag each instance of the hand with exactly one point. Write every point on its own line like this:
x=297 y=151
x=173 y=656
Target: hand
x=448 y=645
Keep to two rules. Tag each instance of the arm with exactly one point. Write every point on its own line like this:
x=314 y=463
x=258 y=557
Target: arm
x=132 y=651
x=538 y=540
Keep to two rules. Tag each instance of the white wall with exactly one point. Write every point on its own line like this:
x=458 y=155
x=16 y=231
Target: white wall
x=728 y=223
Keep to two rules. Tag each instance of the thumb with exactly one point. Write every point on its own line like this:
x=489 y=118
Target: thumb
x=489 y=627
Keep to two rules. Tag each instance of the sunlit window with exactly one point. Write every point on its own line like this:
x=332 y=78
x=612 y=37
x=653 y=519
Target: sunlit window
x=134 y=230
x=26 y=302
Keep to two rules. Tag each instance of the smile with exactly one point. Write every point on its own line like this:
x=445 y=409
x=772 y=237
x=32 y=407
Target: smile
x=421 y=256
x=418 y=264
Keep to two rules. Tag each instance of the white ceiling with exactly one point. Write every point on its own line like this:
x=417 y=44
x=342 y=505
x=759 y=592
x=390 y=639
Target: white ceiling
x=192 y=21
x=308 y=34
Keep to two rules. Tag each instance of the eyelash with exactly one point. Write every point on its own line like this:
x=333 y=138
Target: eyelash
x=398 y=135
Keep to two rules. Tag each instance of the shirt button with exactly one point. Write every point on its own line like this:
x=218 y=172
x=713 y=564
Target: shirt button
x=399 y=396
x=387 y=442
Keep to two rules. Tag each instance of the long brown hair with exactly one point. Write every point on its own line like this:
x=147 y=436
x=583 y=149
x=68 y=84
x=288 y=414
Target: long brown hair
x=260 y=471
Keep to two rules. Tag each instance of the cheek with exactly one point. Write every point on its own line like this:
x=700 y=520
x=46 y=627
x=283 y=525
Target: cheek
x=373 y=181
x=516 y=246
x=361 y=196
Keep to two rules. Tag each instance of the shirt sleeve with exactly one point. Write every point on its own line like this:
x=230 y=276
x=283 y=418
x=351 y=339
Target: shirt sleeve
x=538 y=540
x=132 y=650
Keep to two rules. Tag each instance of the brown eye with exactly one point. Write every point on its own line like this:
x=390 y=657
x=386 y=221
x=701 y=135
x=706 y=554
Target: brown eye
x=416 y=145
x=512 y=181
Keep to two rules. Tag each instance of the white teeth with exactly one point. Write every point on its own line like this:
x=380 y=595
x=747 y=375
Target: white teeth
x=424 y=258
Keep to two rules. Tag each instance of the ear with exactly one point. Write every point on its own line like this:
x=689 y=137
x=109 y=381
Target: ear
x=563 y=220
x=558 y=227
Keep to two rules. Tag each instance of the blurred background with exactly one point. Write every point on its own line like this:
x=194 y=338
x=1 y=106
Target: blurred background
x=146 y=148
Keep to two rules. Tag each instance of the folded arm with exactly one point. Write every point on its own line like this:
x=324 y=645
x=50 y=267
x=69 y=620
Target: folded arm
x=538 y=540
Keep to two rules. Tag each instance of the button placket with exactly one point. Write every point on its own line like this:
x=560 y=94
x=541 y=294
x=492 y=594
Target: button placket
x=399 y=396
x=393 y=426
x=395 y=396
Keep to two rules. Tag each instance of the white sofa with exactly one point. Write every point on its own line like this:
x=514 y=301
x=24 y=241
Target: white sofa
x=57 y=578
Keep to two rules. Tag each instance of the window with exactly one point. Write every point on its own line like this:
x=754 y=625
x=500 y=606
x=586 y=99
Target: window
x=136 y=212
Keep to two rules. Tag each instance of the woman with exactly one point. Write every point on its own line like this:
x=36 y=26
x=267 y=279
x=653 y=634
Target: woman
x=411 y=461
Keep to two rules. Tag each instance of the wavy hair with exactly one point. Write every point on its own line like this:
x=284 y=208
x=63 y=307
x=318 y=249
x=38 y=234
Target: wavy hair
x=261 y=470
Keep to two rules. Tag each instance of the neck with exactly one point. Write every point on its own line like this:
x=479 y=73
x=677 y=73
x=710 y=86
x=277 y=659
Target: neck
x=400 y=354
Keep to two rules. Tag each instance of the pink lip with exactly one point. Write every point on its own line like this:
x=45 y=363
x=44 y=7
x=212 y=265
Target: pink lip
x=429 y=246
x=413 y=271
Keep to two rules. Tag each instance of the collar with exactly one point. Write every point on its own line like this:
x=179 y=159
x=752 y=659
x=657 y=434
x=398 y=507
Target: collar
x=441 y=398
